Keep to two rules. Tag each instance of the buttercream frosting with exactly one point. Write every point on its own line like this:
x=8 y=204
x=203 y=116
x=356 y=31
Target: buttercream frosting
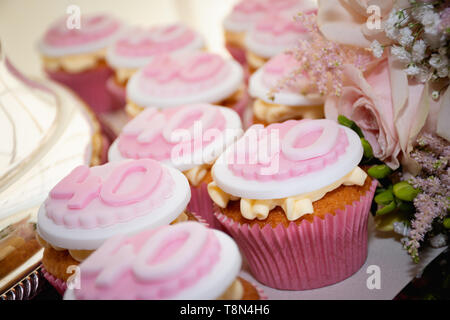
x=123 y=74
x=234 y=292
x=132 y=109
x=236 y=39
x=271 y=112
x=197 y=174
x=254 y=61
x=74 y=63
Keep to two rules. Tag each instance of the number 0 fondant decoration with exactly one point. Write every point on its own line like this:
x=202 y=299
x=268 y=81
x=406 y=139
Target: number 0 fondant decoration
x=100 y=196
x=110 y=194
x=329 y=132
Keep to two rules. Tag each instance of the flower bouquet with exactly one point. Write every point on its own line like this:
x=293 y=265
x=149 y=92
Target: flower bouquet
x=383 y=67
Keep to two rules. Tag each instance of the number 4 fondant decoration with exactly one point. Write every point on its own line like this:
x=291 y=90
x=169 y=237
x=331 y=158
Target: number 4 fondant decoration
x=79 y=188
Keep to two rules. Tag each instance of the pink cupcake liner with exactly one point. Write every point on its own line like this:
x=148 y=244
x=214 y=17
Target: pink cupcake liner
x=200 y=219
x=104 y=152
x=202 y=206
x=57 y=283
x=262 y=295
x=247 y=73
x=309 y=255
x=247 y=117
x=237 y=53
x=242 y=105
x=90 y=85
x=117 y=92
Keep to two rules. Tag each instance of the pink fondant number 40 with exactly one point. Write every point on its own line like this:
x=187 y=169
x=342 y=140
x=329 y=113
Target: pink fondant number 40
x=80 y=187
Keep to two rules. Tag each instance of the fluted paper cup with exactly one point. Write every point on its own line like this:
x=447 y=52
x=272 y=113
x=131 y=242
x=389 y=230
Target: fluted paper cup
x=192 y=216
x=59 y=284
x=117 y=92
x=202 y=206
x=237 y=53
x=306 y=256
x=90 y=85
x=242 y=105
x=261 y=293
x=104 y=152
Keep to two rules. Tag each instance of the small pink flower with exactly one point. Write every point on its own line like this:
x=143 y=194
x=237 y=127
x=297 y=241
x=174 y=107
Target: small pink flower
x=445 y=19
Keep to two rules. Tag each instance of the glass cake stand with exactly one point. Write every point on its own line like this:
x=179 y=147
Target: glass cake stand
x=45 y=132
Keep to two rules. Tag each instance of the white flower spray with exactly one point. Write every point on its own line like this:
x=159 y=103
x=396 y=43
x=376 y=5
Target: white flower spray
x=420 y=35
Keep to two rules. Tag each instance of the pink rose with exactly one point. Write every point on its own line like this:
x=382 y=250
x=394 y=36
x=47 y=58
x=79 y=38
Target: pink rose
x=351 y=22
x=390 y=109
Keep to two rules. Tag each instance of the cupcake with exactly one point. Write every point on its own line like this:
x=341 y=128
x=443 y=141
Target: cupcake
x=295 y=201
x=270 y=36
x=278 y=100
x=196 y=263
x=192 y=77
x=137 y=46
x=76 y=57
x=93 y=204
x=209 y=130
x=247 y=13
